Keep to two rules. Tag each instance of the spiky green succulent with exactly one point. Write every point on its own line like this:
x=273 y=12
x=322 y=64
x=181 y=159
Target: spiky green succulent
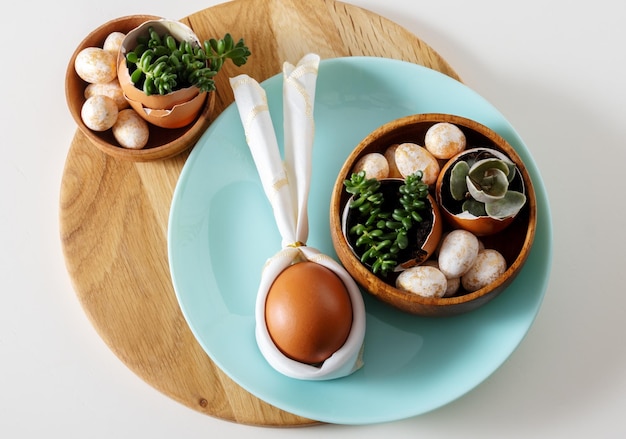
x=160 y=64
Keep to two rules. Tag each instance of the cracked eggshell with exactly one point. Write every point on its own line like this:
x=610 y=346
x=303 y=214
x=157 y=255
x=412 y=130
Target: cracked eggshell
x=180 y=115
x=457 y=253
x=172 y=110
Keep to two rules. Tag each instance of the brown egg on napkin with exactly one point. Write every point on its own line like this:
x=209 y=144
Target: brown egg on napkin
x=310 y=316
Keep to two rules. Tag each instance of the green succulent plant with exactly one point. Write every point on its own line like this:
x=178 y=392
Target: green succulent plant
x=381 y=227
x=160 y=64
x=483 y=186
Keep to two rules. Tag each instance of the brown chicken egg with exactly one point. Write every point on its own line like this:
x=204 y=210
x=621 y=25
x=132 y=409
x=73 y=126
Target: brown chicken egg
x=308 y=312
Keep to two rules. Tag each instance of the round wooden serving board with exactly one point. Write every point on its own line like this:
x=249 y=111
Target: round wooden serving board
x=114 y=214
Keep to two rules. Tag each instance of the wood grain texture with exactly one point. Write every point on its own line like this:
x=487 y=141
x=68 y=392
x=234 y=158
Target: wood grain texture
x=114 y=214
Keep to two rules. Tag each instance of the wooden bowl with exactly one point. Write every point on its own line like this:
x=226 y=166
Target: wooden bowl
x=163 y=142
x=514 y=242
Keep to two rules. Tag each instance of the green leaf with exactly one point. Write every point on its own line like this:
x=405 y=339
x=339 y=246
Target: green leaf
x=491 y=186
x=512 y=171
x=135 y=77
x=132 y=57
x=474 y=207
x=482 y=166
x=507 y=206
x=170 y=42
x=458 y=185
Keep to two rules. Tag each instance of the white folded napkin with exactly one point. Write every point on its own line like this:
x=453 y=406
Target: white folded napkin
x=286 y=185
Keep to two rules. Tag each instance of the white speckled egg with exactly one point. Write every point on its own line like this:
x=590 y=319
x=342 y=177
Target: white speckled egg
x=390 y=155
x=444 y=140
x=130 y=130
x=411 y=157
x=113 y=42
x=424 y=280
x=111 y=89
x=374 y=164
x=96 y=65
x=457 y=253
x=488 y=266
x=453 y=284
x=99 y=113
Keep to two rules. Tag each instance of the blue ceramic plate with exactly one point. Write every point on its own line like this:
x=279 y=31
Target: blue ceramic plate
x=221 y=231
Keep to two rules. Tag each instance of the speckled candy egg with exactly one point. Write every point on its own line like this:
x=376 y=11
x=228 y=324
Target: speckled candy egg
x=111 y=89
x=99 y=113
x=390 y=155
x=411 y=157
x=488 y=266
x=444 y=140
x=130 y=130
x=96 y=65
x=374 y=164
x=457 y=253
x=113 y=42
x=424 y=280
x=452 y=284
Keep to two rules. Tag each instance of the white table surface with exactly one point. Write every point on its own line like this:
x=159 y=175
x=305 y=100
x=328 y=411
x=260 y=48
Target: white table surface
x=555 y=69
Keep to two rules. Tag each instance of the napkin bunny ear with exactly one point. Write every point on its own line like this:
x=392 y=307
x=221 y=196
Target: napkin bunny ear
x=286 y=185
x=299 y=85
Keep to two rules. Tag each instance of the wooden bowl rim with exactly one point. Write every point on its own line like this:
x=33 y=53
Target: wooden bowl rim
x=189 y=134
x=391 y=291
